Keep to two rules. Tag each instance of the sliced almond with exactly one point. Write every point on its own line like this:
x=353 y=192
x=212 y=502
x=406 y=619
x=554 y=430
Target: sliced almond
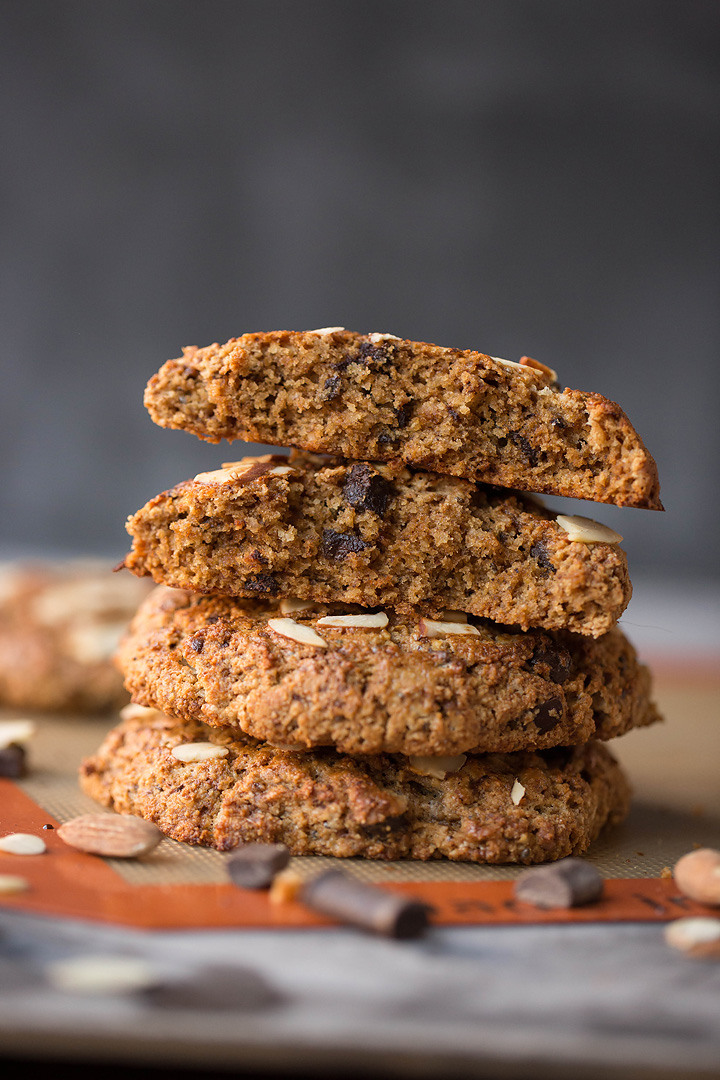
x=20 y=843
x=431 y=628
x=584 y=530
x=517 y=793
x=695 y=936
x=118 y=836
x=289 y=607
x=380 y=619
x=438 y=767
x=101 y=975
x=138 y=712
x=295 y=631
x=377 y=338
x=285 y=887
x=513 y=364
x=199 y=751
x=324 y=331
x=11 y=883
x=527 y=361
x=16 y=732
x=451 y=615
x=217 y=476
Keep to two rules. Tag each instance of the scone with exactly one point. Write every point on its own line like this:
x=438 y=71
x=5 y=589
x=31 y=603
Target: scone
x=527 y=807
x=377 y=397
x=377 y=535
x=285 y=674
x=59 y=626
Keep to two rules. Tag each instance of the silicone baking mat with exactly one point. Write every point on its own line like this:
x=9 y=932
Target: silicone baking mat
x=674 y=769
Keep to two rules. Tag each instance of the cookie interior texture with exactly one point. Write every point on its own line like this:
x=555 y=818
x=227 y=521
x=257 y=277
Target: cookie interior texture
x=376 y=397
x=377 y=536
x=526 y=807
x=388 y=689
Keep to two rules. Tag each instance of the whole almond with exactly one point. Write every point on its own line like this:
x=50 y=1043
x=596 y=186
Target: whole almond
x=697 y=875
x=118 y=836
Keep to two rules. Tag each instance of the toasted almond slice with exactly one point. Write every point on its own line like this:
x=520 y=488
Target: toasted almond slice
x=451 y=615
x=120 y=836
x=16 y=732
x=438 y=767
x=379 y=619
x=377 y=338
x=430 y=628
x=285 y=887
x=289 y=607
x=295 y=631
x=325 y=331
x=217 y=476
x=517 y=793
x=137 y=712
x=280 y=470
x=695 y=936
x=584 y=530
x=20 y=843
x=513 y=364
x=101 y=975
x=11 y=883
x=527 y=361
x=199 y=751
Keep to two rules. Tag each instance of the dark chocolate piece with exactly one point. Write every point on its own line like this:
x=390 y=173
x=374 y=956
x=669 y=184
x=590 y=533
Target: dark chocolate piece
x=335 y=893
x=565 y=884
x=12 y=762
x=254 y=866
x=549 y=714
x=364 y=489
x=540 y=553
x=337 y=545
x=262 y=583
x=215 y=987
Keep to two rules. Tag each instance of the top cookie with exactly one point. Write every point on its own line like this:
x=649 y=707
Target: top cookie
x=377 y=397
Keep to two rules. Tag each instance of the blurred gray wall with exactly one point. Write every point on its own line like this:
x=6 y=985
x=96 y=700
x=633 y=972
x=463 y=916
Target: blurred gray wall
x=518 y=176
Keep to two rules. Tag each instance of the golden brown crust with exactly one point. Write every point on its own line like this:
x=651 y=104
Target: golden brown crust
x=322 y=803
x=378 y=536
x=59 y=626
x=373 y=397
x=380 y=690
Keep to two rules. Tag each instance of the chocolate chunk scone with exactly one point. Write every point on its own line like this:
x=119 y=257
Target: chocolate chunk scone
x=377 y=397
x=526 y=807
x=379 y=536
x=403 y=685
x=59 y=626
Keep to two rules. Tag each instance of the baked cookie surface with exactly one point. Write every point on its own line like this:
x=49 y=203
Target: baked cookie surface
x=60 y=624
x=377 y=397
x=410 y=687
x=526 y=807
x=378 y=536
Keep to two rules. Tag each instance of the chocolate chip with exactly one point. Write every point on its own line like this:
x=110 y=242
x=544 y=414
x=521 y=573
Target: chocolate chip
x=262 y=583
x=527 y=448
x=197 y=642
x=455 y=415
x=351 y=901
x=365 y=489
x=565 y=884
x=48 y=826
x=332 y=388
x=540 y=553
x=216 y=987
x=12 y=762
x=404 y=414
x=555 y=659
x=387 y=438
x=548 y=715
x=558 y=422
x=254 y=866
x=337 y=545
x=212 y=619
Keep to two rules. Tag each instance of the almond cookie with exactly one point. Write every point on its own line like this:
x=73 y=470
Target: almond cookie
x=379 y=536
x=375 y=396
x=527 y=807
x=320 y=676
x=60 y=624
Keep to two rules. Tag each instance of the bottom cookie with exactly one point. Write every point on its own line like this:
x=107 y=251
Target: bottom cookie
x=526 y=807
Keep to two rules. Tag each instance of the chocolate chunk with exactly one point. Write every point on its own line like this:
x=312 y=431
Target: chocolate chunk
x=337 y=545
x=387 y=438
x=555 y=659
x=214 y=987
x=564 y=884
x=558 y=422
x=453 y=412
x=548 y=715
x=261 y=583
x=369 y=355
x=527 y=448
x=540 y=553
x=197 y=642
x=332 y=388
x=365 y=489
x=12 y=762
x=254 y=866
x=335 y=893
x=404 y=414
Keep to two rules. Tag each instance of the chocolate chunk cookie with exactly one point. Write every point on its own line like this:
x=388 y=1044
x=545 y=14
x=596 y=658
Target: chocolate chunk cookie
x=526 y=807
x=411 y=686
x=377 y=397
x=378 y=536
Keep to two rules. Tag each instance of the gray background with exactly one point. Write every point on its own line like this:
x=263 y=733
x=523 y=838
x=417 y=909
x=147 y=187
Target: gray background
x=518 y=176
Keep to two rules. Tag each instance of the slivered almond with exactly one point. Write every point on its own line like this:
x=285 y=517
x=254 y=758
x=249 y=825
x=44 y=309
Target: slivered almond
x=137 y=712
x=527 y=361
x=16 y=732
x=583 y=530
x=324 y=331
x=198 y=751
x=517 y=793
x=117 y=836
x=512 y=364
x=20 y=843
x=376 y=338
x=380 y=619
x=288 y=607
x=295 y=631
x=451 y=615
x=438 y=767
x=431 y=628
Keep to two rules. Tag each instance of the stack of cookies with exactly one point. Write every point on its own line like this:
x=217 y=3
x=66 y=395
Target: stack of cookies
x=370 y=647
